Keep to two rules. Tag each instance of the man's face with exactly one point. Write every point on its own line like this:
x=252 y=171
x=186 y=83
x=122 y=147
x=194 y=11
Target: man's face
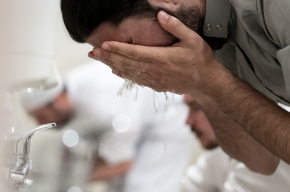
x=199 y=124
x=58 y=111
x=138 y=32
x=147 y=31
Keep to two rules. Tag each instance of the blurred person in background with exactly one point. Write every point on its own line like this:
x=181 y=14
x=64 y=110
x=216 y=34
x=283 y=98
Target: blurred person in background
x=157 y=141
x=89 y=105
x=215 y=171
x=166 y=146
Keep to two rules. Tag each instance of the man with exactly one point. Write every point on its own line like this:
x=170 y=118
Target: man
x=215 y=171
x=166 y=145
x=88 y=106
x=133 y=160
x=252 y=42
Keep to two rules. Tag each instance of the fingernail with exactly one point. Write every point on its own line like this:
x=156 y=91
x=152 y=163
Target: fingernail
x=98 y=53
x=106 y=46
x=163 y=16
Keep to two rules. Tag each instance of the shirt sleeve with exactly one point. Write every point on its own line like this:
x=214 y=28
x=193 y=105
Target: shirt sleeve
x=276 y=16
x=208 y=175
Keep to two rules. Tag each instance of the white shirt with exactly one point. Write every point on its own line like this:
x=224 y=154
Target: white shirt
x=208 y=174
x=241 y=179
x=166 y=146
x=92 y=90
x=215 y=171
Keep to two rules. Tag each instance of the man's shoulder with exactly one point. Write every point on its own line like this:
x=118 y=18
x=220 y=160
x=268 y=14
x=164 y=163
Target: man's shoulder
x=242 y=4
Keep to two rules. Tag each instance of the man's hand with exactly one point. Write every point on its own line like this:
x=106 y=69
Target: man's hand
x=180 y=68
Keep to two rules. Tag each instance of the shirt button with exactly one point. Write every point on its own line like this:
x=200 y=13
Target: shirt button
x=208 y=27
x=219 y=27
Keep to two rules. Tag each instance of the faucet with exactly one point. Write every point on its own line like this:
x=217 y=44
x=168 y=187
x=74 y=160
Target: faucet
x=16 y=165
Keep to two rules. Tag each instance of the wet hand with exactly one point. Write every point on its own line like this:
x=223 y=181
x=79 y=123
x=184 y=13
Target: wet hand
x=180 y=68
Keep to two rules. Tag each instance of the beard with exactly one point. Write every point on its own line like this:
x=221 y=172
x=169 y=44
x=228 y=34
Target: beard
x=211 y=145
x=191 y=16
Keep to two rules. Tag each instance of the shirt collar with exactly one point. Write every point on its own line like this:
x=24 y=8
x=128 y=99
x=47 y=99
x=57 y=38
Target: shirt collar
x=217 y=18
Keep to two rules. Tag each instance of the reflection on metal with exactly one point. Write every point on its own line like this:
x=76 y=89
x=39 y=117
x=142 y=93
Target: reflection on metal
x=16 y=163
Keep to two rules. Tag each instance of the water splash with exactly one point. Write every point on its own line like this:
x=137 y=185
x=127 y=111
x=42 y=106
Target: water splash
x=136 y=95
x=154 y=102
x=166 y=96
x=128 y=85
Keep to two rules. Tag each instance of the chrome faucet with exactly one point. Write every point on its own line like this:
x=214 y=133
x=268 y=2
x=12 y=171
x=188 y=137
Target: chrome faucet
x=16 y=165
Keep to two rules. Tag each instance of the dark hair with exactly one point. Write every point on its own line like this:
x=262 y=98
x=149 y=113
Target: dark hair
x=83 y=17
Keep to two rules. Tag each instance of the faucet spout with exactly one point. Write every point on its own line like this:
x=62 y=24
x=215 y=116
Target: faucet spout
x=17 y=166
x=19 y=144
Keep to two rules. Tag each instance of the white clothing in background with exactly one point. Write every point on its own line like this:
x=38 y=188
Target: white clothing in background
x=92 y=89
x=215 y=171
x=166 y=145
x=241 y=179
x=209 y=173
x=164 y=149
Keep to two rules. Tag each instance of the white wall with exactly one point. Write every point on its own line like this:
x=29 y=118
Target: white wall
x=69 y=54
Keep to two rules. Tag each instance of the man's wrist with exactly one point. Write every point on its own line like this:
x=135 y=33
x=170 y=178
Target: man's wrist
x=215 y=79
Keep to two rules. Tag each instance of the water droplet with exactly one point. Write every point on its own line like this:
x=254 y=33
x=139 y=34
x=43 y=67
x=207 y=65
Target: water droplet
x=166 y=96
x=136 y=95
x=154 y=102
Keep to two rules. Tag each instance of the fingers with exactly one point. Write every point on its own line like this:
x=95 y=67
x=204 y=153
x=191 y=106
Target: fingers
x=136 y=52
x=131 y=72
x=137 y=80
x=175 y=27
x=91 y=55
x=105 y=61
x=122 y=62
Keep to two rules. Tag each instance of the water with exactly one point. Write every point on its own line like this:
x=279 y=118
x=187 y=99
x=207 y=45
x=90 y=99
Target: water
x=129 y=85
x=166 y=96
x=136 y=95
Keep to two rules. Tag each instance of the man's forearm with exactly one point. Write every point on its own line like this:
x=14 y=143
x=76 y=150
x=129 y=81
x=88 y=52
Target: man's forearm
x=106 y=172
x=236 y=142
x=259 y=116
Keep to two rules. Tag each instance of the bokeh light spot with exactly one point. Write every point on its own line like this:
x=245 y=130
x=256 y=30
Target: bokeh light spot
x=121 y=123
x=70 y=138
